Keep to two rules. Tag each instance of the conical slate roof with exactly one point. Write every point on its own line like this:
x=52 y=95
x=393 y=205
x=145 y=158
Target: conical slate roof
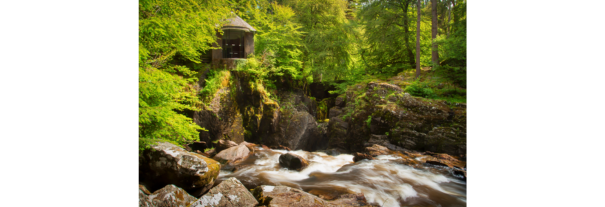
x=238 y=23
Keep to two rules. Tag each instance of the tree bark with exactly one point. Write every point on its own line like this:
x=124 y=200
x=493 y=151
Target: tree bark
x=434 y=30
x=449 y=17
x=406 y=32
x=418 y=41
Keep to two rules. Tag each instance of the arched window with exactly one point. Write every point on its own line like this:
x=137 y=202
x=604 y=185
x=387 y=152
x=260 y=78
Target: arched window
x=233 y=44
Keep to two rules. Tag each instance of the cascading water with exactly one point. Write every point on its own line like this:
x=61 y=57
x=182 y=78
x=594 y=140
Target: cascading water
x=383 y=181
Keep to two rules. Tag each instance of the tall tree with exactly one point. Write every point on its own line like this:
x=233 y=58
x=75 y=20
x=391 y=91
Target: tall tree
x=434 y=30
x=418 y=41
x=388 y=38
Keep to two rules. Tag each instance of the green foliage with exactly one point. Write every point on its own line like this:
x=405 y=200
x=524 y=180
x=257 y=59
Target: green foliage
x=297 y=41
x=369 y=121
x=170 y=28
x=453 y=49
x=420 y=89
x=329 y=38
x=161 y=95
x=389 y=35
x=186 y=27
x=216 y=80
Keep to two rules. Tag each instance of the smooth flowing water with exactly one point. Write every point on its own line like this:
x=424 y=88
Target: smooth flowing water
x=384 y=182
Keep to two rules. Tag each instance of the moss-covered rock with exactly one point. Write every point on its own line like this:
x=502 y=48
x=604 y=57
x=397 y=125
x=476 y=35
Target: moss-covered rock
x=409 y=122
x=166 y=163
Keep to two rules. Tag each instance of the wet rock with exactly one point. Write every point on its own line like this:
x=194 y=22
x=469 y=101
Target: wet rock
x=443 y=160
x=230 y=192
x=165 y=163
x=361 y=156
x=286 y=196
x=224 y=144
x=460 y=172
x=233 y=154
x=293 y=162
x=376 y=150
x=281 y=147
x=168 y=196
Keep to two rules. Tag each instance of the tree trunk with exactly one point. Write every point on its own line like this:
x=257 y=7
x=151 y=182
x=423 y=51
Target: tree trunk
x=418 y=41
x=449 y=17
x=406 y=32
x=434 y=30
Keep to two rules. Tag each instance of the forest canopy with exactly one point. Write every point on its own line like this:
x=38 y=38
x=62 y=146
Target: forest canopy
x=335 y=42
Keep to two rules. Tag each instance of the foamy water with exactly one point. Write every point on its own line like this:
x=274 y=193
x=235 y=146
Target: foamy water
x=382 y=181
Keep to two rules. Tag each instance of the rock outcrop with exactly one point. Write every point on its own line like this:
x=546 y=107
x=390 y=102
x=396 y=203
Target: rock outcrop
x=384 y=110
x=230 y=192
x=166 y=163
x=168 y=196
x=293 y=162
x=221 y=118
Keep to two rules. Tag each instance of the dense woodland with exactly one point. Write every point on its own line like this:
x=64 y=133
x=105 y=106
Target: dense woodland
x=335 y=42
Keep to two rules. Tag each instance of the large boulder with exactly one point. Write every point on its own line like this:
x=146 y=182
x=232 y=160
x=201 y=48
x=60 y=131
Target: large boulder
x=230 y=192
x=293 y=162
x=168 y=196
x=165 y=163
x=233 y=154
x=286 y=196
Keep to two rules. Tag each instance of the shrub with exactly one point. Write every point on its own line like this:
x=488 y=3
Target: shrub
x=418 y=89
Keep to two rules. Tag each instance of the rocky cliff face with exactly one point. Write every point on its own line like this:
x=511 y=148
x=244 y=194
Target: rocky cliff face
x=243 y=110
x=410 y=122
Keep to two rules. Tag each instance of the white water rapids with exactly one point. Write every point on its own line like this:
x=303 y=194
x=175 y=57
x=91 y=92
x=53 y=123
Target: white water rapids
x=383 y=181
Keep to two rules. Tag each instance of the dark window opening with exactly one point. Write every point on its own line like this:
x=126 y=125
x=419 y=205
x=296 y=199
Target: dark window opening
x=233 y=44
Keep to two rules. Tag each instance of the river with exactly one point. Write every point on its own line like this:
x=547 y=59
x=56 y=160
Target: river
x=384 y=181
